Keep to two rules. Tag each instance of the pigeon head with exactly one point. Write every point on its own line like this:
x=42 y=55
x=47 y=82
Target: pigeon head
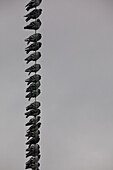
x=38 y=20
x=40 y=10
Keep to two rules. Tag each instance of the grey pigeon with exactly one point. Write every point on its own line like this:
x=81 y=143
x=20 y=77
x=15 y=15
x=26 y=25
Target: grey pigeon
x=34 y=94
x=34 y=68
x=33 y=47
x=33 y=4
x=33 y=112
x=33 y=133
x=33 y=121
x=33 y=86
x=33 y=159
x=32 y=130
x=34 y=105
x=33 y=140
x=33 y=57
x=35 y=78
x=31 y=147
x=34 y=151
x=33 y=38
x=33 y=14
x=35 y=166
x=38 y=125
x=31 y=163
x=35 y=25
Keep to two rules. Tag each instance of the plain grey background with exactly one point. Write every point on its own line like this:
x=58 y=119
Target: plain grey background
x=77 y=85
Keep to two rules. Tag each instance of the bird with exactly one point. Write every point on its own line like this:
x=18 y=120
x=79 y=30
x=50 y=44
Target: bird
x=33 y=121
x=33 y=14
x=35 y=165
x=34 y=150
x=33 y=86
x=33 y=47
x=35 y=25
x=33 y=4
x=34 y=94
x=33 y=112
x=33 y=160
x=33 y=38
x=31 y=147
x=33 y=140
x=34 y=68
x=32 y=134
x=35 y=78
x=31 y=131
x=33 y=57
x=37 y=126
x=34 y=105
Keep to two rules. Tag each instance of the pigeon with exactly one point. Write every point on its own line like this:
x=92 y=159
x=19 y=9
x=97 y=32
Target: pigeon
x=31 y=131
x=33 y=121
x=35 y=166
x=33 y=15
x=34 y=68
x=31 y=163
x=33 y=47
x=32 y=113
x=33 y=4
x=34 y=105
x=35 y=25
x=34 y=151
x=32 y=134
x=33 y=57
x=31 y=147
x=36 y=126
x=33 y=159
x=33 y=38
x=33 y=86
x=34 y=94
x=35 y=78
x=33 y=140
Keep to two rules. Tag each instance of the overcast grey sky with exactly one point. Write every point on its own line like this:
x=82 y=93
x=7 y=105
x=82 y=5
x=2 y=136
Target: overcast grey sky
x=77 y=85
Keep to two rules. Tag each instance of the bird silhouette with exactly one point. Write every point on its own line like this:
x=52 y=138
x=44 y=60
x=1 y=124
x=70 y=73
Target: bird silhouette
x=33 y=121
x=35 y=78
x=33 y=57
x=34 y=68
x=35 y=25
x=33 y=86
x=33 y=14
x=33 y=4
x=31 y=147
x=30 y=163
x=34 y=94
x=36 y=126
x=33 y=140
x=33 y=47
x=33 y=112
x=34 y=151
x=34 y=105
x=32 y=134
x=33 y=38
